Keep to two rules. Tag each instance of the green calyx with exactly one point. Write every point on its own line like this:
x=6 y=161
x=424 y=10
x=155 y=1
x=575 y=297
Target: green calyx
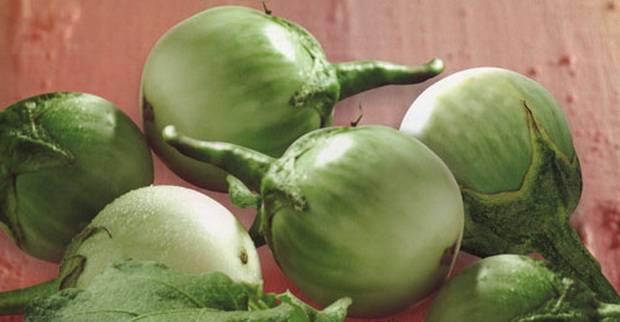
x=328 y=83
x=572 y=302
x=321 y=90
x=279 y=187
x=240 y=195
x=535 y=217
x=26 y=146
x=252 y=170
x=249 y=169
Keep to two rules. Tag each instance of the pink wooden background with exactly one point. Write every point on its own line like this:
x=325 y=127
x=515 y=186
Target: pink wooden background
x=571 y=47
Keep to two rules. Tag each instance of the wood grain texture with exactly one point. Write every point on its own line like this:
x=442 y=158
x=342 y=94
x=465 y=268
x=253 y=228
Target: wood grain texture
x=570 y=47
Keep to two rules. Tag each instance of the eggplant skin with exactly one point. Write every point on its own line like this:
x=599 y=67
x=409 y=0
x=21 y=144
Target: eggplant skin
x=497 y=288
x=108 y=157
x=175 y=226
x=514 y=288
x=236 y=75
x=480 y=114
x=366 y=212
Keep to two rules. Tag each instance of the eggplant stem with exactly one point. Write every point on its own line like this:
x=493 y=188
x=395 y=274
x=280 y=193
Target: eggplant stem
x=359 y=116
x=255 y=231
x=246 y=164
x=14 y=302
x=358 y=76
x=265 y=9
x=563 y=248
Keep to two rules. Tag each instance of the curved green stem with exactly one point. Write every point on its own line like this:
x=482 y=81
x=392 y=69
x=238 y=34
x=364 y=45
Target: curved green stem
x=563 y=248
x=14 y=302
x=248 y=165
x=255 y=231
x=356 y=77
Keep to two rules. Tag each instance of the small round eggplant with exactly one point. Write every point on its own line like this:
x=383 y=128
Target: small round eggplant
x=63 y=157
x=178 y=227
x=362 y=212
x=509 y=146
x=513 y=288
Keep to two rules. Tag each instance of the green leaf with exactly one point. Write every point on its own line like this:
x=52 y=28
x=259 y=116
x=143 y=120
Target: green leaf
x=337 y=311
x=282 y=313
x=148 y=291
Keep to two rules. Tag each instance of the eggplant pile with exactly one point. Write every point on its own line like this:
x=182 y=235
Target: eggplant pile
x=364 y=220
x=238 y=75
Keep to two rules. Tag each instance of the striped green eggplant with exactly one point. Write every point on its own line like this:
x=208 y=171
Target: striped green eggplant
x=508 y=143
x=64 y=156
x=362 y=212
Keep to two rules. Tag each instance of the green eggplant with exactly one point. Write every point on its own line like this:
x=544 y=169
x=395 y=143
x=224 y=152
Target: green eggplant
x=514 y=288
x=178 y=227
x=64 y=156
x=508 y=143
x=238 y=75
x=175 y=226
x=362 y=212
